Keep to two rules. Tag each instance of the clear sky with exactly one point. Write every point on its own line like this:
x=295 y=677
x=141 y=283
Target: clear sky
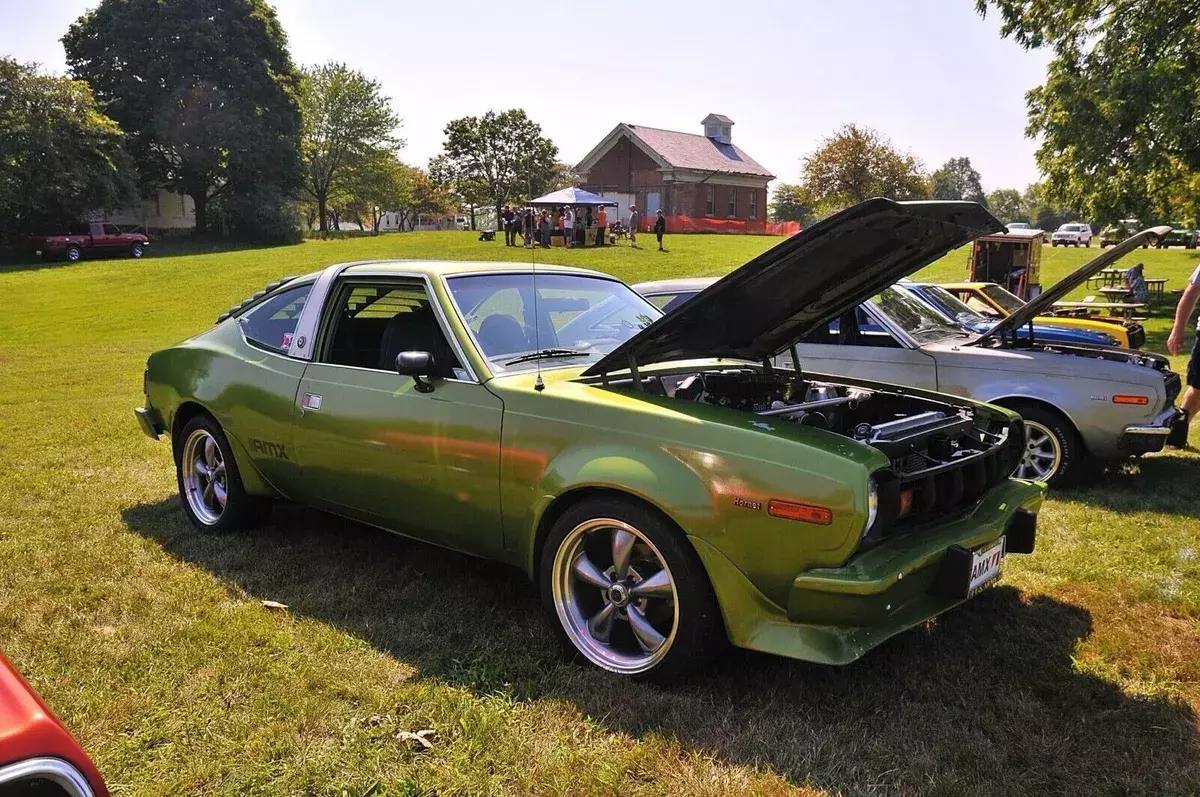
x=930 y=74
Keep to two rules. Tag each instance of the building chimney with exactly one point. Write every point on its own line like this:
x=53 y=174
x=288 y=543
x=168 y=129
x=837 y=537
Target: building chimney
x=718 y=128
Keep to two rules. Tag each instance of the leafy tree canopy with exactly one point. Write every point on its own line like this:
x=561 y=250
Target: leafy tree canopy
x=497 y=157
x=1006 y=205
x=790 y=202
x=60 y=157
x=957 y=179
x=347 y=128
x=858 y=163
x=1117 y=113
x=204 y=89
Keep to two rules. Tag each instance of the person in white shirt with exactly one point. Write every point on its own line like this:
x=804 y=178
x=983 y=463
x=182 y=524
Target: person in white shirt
x=1183 y=317
x=568 y=227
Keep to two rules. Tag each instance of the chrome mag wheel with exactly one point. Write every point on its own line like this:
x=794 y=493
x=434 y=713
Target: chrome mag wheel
x=1043 y=453
x=615 y=596
x=205 y=482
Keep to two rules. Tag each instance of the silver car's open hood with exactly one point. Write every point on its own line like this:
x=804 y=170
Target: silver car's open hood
x=812 y=277
x=1044 y=303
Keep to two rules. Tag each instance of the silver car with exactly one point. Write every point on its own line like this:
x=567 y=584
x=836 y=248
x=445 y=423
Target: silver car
x=1078 y=402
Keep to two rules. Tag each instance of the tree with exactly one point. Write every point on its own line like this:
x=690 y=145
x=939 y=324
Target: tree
x=564 y=176
x=1116 y=115
x=205 y=91
x=957 y=179
x=496 y=157
x=857 y=163
x=791 y=202
x=59 y=155
x=345 y=122
x=1006 y=205
x=378 y=184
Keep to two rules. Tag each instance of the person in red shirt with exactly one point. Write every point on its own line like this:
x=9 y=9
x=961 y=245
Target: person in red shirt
x=601 y=224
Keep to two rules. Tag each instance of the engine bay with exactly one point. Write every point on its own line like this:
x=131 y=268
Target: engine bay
x=920 y=436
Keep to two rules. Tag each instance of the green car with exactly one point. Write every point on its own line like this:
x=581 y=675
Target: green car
x=665 y=485
x=1113 y=234
x=1181 y=234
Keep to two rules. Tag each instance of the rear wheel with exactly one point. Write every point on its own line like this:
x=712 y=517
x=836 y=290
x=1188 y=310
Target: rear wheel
x=1052 y=446
x=625 y=591
x=208 y=479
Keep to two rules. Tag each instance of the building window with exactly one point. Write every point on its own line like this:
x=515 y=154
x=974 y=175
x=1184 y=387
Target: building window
x=754 y=204
x=710 y=201
x=732 y=201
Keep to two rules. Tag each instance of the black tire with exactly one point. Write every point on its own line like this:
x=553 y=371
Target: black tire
x=240 y=511
x=136 y=251
x=73 y=254
x=698 y=631
x=1088 y=243
x=1070 y=466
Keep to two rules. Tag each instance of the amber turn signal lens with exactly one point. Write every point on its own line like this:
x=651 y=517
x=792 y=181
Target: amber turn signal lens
x=906 y=497
x=1139 y=400
x=809 y=514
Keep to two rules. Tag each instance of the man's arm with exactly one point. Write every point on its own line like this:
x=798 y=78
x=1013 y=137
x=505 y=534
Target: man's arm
x=1183 y=314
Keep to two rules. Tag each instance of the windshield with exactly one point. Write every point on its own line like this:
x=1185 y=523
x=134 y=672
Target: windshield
x=950 y=303
x=581 y=317
x=1009 y=301
x=914 y=317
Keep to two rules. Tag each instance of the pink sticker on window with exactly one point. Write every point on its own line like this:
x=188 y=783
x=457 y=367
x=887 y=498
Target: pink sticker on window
x=287 y=340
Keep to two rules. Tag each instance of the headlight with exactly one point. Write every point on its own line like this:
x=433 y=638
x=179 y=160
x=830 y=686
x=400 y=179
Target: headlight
x=872 y=502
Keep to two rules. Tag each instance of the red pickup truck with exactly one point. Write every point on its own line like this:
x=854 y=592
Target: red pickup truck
x=93 y=238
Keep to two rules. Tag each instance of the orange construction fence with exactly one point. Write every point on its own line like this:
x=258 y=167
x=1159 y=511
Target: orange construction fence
x=685 y=224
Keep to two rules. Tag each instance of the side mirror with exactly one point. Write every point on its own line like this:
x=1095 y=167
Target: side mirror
x=417 y=364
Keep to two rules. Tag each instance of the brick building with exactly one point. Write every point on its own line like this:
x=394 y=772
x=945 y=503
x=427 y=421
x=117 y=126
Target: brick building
x=685 y=174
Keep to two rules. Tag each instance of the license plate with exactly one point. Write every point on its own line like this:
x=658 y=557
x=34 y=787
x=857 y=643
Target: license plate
x=985 y=566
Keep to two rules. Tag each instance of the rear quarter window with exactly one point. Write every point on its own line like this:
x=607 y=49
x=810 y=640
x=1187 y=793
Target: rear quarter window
x=270 y=324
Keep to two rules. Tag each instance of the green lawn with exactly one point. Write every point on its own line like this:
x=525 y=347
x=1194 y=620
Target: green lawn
x=1080 y=675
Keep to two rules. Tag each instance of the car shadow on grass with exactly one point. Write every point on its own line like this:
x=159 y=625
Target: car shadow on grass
x=984 y=700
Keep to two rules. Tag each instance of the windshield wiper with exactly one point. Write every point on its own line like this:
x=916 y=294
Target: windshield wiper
x=546 y=354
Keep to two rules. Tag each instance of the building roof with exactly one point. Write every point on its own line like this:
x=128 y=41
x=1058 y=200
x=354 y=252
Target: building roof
x=719 y=118
x=675 y=150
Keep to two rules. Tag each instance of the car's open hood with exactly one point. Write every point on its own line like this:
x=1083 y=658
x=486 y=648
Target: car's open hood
x=1044 y=302
x=812 y=277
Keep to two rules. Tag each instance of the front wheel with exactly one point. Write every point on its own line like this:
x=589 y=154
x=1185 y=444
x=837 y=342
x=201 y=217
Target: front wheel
x=1052 y=446
x=208 y=479
x=624 y=590
x=136 y=251
x=1088 y=243
x=74 y=254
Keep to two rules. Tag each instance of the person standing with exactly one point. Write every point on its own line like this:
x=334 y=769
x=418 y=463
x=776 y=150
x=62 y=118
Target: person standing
x=601 y=223
x=568 y=220
x=660 y=228
x=1183 y=316
x=530 y=223
x=507 y=217
x=634 y=219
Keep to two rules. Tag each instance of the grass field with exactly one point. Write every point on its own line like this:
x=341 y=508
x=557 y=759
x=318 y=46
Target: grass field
x=1079 y=675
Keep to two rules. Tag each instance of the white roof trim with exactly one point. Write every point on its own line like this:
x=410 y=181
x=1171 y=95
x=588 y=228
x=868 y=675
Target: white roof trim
x=601 y=149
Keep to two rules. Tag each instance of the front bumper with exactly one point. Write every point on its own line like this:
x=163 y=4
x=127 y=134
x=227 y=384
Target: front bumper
x=1152 y=436
x=150 y=421
x=835 y=615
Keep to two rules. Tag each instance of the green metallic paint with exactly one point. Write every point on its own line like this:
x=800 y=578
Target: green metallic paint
x=475 y=465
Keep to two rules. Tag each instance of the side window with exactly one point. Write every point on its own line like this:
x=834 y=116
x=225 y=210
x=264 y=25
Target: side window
x=270 y=325
x=661 y=300
x=372 y=322
x=111 y=229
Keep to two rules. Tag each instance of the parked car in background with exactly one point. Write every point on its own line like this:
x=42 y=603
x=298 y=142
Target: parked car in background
x=1076 y=401
x=995 y=302
x=1113 y=234
x=38 y=756
x=1181 y=234
x=91 y=239
x=664 y=483
x=952 y=309
x=1017 y=225
x=1074 y=234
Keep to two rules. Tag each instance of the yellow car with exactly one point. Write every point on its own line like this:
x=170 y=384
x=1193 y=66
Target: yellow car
x=993 y=300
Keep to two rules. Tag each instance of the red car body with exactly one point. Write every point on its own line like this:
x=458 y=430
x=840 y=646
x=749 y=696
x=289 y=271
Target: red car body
x=36 y=748
x=93 y=238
